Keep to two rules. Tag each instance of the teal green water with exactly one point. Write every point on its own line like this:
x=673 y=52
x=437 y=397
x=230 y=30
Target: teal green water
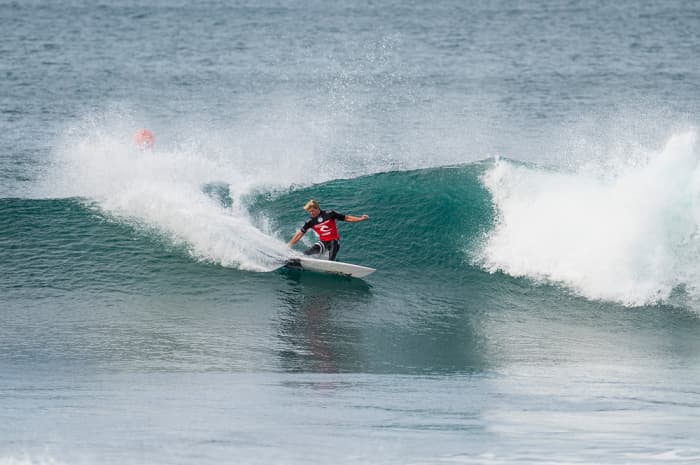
x=430 y=308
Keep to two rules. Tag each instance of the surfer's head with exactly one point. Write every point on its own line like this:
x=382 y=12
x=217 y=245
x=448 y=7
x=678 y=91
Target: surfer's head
x=313 y=208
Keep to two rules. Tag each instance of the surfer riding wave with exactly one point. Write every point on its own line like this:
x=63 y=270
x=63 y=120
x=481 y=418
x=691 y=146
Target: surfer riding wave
x=323 y=224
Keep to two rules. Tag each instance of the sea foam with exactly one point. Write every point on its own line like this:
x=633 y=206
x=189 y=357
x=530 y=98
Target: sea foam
x=629 y=234
x=168 y=189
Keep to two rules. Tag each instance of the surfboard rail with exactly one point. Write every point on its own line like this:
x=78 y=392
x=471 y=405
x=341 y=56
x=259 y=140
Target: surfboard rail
x=329 y=267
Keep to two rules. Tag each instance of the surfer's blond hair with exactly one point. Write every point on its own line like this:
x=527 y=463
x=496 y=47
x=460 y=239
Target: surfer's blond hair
x=312 y=204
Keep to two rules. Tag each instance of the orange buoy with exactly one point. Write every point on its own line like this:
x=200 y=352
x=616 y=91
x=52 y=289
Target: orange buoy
x=144 y=138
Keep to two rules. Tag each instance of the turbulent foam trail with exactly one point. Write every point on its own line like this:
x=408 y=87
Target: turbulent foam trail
x=166 y=190
x=631 y=236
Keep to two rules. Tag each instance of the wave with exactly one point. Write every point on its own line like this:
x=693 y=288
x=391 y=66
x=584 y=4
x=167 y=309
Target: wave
x=629 y=234
x=624 y=231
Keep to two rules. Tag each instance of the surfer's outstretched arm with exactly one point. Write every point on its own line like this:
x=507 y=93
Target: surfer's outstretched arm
x=295 y=239
x=356 y=219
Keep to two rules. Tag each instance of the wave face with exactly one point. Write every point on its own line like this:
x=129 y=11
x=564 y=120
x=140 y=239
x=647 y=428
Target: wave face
x=629 y=234
x=624 y=231
x=420 y=220
x=428 y=219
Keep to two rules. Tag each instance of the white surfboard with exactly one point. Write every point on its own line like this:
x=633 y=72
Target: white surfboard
x=327 y=266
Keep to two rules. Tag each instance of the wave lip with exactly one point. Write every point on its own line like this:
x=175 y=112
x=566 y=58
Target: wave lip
x=630 y=236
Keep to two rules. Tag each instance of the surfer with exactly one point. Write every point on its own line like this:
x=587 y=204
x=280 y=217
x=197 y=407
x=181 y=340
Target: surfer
x=323 y=224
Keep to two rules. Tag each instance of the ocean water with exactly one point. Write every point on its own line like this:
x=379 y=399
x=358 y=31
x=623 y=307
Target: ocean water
x=532 y=175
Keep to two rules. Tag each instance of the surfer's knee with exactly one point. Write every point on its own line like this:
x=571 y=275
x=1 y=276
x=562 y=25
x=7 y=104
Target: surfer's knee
x=314 y=249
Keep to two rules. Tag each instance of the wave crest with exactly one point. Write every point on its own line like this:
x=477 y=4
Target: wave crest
x=631 y=236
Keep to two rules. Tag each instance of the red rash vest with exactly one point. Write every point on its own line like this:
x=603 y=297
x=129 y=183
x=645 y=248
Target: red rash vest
x=324 y=225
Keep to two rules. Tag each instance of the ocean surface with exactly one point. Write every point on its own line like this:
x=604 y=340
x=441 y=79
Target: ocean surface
x=531 y=170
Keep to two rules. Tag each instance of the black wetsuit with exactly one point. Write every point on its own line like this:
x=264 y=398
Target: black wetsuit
x=324 y=226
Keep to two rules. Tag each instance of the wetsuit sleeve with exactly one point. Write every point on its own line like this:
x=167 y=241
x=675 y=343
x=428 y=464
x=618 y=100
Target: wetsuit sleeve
x=305 y=227
x=337 y=216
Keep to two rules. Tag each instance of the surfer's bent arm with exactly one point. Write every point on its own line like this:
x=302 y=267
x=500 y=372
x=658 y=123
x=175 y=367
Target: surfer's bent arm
x=356 y=219
x=296 y=238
